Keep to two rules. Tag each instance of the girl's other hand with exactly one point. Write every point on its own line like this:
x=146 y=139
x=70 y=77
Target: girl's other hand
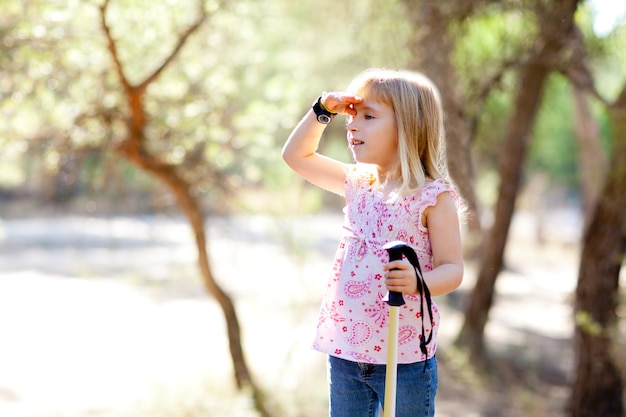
x=343 y=103
x=400 y=276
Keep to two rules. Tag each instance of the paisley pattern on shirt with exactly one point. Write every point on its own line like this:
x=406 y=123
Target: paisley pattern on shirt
x=353 y=317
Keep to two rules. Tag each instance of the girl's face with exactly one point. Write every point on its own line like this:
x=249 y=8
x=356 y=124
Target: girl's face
x=373 y=134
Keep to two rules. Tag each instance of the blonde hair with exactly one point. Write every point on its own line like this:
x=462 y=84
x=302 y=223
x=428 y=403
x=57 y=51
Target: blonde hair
x=419 y=117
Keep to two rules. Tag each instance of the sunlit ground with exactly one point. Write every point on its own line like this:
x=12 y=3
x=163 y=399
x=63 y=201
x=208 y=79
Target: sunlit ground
x=107 y=317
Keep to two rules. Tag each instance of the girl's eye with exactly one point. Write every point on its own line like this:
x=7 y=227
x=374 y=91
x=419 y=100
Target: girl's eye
x=368 y=117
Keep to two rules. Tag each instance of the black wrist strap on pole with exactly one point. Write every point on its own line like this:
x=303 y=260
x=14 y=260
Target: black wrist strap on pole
x=425 y=297
x=395 y=249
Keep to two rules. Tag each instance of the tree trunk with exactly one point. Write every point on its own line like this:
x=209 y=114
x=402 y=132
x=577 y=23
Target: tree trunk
x=431 y=48
x=133 y=148
x=598 y=386
x=510 y=169
x=592 y=158
x=556 y=25
x=191 y=208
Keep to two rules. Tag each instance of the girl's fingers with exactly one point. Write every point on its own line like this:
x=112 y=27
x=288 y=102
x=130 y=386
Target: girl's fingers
x=339 y=102
x=398 y=285
x=402 y=265
x=400 y=276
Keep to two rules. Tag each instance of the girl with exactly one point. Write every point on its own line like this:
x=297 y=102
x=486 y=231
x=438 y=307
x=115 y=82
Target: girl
x=397 y=189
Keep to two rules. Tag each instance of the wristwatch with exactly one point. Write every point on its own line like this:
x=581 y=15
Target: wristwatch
x=323 y=116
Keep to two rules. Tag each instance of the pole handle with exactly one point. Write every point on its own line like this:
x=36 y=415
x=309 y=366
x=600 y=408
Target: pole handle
x=395 y=250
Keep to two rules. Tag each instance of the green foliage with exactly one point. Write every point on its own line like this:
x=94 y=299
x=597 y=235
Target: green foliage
x=587 y=324
x=47 y=84
x=607 y=55
x=486 y=43
x=553 y=150
x=491 y=127
x=228 y=101
x=224 y=107
x=489 y=48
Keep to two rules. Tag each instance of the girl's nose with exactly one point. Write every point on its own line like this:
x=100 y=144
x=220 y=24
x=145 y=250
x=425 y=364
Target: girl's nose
x=350 y=125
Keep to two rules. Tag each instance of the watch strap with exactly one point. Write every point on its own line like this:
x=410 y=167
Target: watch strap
x=322 y=113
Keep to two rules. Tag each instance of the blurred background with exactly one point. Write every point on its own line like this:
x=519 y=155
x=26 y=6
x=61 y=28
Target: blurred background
x=157 y=257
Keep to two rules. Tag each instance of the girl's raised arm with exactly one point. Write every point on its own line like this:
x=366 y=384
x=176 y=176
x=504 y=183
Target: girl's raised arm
x=300 y=150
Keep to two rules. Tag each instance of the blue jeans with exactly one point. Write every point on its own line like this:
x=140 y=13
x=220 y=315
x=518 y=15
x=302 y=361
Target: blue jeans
x=357 y=389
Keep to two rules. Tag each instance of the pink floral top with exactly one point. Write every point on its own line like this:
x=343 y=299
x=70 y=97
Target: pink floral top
x=353 y=317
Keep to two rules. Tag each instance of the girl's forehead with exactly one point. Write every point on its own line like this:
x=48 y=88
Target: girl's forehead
x=372 y=94
x=371 y=103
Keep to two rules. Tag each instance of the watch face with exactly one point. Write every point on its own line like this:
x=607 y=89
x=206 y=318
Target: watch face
x=323 y=118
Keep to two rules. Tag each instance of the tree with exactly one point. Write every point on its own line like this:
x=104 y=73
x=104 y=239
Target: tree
x=598 y=386
x=132 y=146
x=556 y=23
x=593 y=161
x=432 y=49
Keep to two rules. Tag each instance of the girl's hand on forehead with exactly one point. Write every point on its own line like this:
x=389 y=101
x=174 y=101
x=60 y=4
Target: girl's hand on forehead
x=343 y=103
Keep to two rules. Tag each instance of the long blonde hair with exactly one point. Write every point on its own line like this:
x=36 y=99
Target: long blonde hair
x=419 y=116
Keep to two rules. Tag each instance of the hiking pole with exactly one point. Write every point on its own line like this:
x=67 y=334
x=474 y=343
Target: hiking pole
x=395 y=300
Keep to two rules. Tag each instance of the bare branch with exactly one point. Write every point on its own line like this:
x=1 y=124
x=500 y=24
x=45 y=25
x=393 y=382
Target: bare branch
x=112 y=47
x=140 y=88
x=179 y=45
x=485 y=88
x=575 y=67
x=495 y=79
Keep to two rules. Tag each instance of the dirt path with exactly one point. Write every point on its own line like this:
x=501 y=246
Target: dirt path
x=106 y=317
